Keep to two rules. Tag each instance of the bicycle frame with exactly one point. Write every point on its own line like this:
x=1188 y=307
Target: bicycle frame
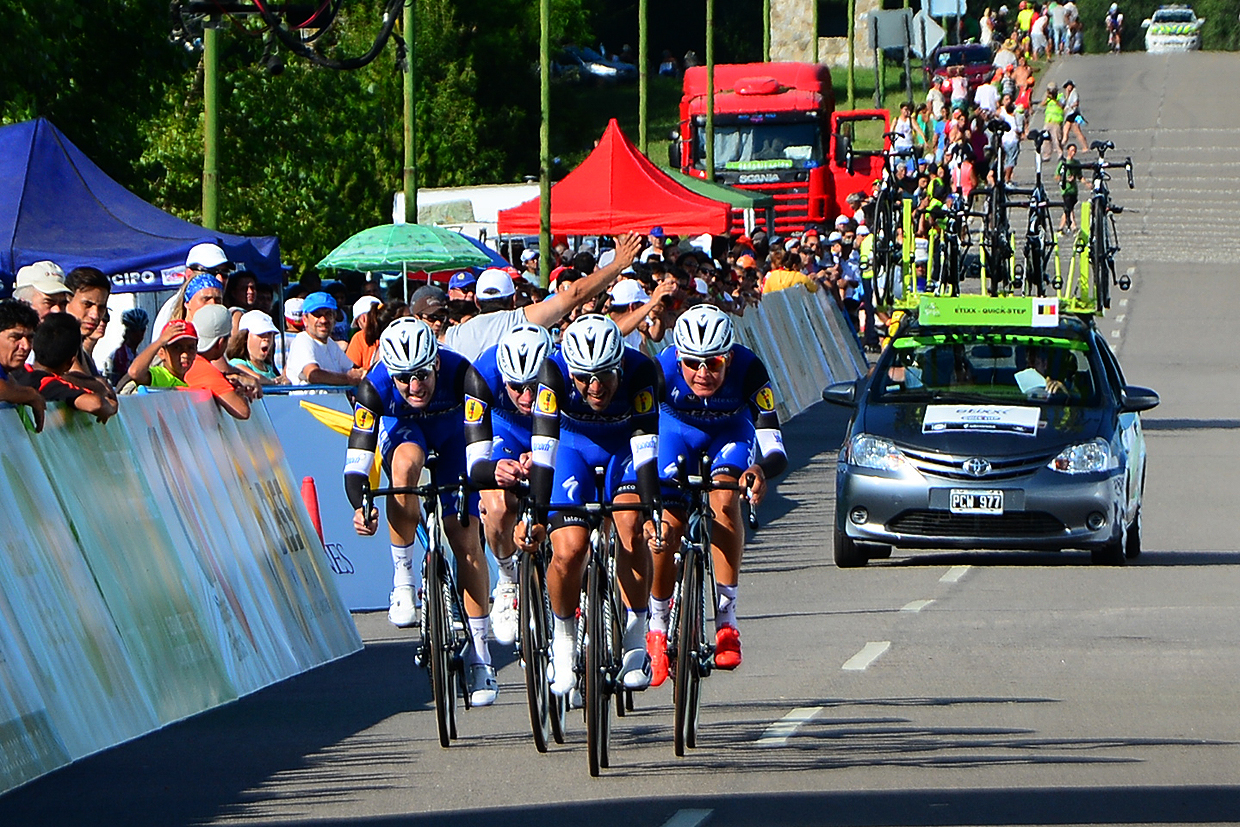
x=1100 y=244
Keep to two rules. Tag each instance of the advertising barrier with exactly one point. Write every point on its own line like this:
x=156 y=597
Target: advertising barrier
x=152 y=568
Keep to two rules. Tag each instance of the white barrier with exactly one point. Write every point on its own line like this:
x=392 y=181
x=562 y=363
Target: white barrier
x=151 y=568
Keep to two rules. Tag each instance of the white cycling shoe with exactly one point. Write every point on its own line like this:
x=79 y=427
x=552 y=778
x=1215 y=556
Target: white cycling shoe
x=482 y=685
x=635 y=672
x=563 y=657
x=403 y=607
x=505 y=619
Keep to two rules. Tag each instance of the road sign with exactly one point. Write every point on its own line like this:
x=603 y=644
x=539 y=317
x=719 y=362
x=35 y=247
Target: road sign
x=946 y=8
x=889 y=29
x=927 y=34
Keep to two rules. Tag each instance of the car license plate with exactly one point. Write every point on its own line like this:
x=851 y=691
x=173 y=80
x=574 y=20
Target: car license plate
x=969 y=501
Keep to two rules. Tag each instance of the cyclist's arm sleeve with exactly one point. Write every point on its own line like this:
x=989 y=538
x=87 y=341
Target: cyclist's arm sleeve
x=647 y=389
x=360 y=456
x=772 y=458
x=545 y=431
x=478 y=434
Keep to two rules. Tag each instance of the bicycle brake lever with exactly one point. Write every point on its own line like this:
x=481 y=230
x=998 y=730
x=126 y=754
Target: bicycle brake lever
x=753 y=514
x=1128 y=169
x=462 y=503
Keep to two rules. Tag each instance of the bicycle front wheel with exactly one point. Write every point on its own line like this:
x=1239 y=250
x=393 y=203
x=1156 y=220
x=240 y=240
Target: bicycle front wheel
x=438 y=629
x=1100 y=257
x=598 y=665
x=532 y=609
x=690 y=633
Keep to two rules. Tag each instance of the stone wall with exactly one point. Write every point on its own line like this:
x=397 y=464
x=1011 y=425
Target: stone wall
x=792 y=33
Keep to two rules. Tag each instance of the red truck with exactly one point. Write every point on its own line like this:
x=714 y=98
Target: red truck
x=769 y=137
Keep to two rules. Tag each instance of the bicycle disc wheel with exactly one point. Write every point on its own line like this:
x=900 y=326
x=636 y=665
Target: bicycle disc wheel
x=535 y=642
x=689 y=632
x=597 y=691
x=438 y=624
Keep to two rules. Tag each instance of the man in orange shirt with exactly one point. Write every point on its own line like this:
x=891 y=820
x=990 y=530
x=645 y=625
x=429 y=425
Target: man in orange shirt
x=214 y=325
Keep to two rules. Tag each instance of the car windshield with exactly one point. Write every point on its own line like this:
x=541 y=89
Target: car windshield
x=978 y=55
x=761 y=146
x=988 y=368
x=1175 y=16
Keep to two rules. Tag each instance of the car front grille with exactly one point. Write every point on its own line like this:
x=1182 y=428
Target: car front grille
x=951 y=467
x=1015 y=524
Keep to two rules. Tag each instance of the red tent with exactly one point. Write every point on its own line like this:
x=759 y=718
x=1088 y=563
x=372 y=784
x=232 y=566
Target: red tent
x=615 y=190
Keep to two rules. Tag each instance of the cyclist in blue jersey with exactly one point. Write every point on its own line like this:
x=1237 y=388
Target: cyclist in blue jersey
x=409 y=402
x=718 y=400
x=499 y=399
x=596 y=407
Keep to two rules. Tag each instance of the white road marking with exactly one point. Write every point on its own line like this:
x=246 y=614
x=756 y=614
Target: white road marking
x=778 y=733
x=688 y=818
x=1123 y=302
x=1114 y=334
x=869 y=653
x=1120 y=318
x=954 y=574
x=915 y=606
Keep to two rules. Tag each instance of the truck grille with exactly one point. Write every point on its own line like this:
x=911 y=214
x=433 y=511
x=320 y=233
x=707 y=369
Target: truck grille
x=1013 y=525
x=791 y=206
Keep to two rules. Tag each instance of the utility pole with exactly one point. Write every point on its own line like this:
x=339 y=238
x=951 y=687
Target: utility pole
x=643 y=62
x=852 y=54
x=211 y=123
x=814 y=27
x=409 y=25
x=766 y=31
x=544 y=144
x=710 y=90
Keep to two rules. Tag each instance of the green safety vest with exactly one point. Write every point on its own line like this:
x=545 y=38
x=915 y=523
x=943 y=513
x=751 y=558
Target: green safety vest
x=1054 y=110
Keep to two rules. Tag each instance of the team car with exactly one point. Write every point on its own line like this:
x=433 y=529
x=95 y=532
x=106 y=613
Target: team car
x=1173 y=29
x=968 y=433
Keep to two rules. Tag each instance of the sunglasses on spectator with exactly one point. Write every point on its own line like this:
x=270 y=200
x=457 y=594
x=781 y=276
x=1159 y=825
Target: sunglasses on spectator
x=713 y=364
x=434 y=317
x=602 y=377
x=421 y=374
x=521 y=387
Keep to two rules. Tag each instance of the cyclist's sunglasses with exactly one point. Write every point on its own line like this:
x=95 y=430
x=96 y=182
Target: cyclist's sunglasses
x=521 y=387
x=421 y=374
x=602 y=377
x=714 y=364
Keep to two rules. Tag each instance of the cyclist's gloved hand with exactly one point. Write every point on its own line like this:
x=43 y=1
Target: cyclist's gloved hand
x=366 y=526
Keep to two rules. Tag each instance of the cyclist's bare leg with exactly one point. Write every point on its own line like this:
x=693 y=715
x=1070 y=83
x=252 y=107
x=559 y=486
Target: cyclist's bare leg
x=499 y=517
x=568 y=557
x=404 y=512
x=728 y=536
x=471 y=565
x=632 y=555
x=663 y=563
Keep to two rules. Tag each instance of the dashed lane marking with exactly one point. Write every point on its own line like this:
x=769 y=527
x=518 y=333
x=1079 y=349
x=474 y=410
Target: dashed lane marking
x=869 y=653
x=1114 y=334
x=954 y=574
x=778 y=733
x=688 y=818
x=915 y=606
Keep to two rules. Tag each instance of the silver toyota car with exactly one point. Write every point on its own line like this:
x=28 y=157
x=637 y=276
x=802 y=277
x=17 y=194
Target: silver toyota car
x=1013 y=436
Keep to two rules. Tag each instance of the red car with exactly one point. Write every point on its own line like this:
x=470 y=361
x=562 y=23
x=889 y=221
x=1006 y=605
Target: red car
x=974 y=59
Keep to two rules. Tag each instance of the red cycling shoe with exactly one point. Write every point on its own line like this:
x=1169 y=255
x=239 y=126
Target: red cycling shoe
x=656 y=647
x=727 y=647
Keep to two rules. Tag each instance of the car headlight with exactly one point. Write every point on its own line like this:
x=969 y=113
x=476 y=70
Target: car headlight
x=876 y=453
x=601 y=69
x=1084 y=458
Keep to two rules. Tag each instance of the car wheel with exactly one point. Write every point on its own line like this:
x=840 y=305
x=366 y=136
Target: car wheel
x=849 y=554
x=1133 y=548
x=1111 y=554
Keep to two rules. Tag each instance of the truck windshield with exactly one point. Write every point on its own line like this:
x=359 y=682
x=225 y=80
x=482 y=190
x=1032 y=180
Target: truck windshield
x=764 y=146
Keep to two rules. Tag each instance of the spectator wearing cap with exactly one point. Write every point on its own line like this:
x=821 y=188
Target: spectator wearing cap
x=214 y=326
x=529 y=264
x=56 y=344
x=631 y=308
x=313 y=358
x=135 y=322
x=498 y=312
x=252 y=348
x=18 y=321
x=176 y=348
x=358 y=351
x=431 y=306
x=462 y=286
x=205 y=269
x=42 y=286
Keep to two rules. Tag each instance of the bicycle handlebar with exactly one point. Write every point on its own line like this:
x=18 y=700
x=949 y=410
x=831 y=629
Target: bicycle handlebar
x=702 y=481
x=461 y=486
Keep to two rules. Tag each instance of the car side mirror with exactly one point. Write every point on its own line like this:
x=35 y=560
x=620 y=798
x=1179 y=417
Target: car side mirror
x=1145 y=24
x=842 y=146
x=1135 y=399
x=841 y=393
x=674 y=152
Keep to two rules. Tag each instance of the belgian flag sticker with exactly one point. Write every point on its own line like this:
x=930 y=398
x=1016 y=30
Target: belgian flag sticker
x=1046 y=312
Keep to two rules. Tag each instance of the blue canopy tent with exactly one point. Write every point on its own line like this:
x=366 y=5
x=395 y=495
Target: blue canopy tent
x=56 y=205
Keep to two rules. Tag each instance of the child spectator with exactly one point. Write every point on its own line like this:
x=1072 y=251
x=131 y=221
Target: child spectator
x=135 y=322
x=18 y=321
x=252 y=348
x=214 y=324
x=176 y=346
x=57 y=343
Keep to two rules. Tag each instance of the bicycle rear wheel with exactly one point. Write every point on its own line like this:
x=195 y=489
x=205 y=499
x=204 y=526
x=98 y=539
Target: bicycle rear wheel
x=535 y=647
x=438 y=629
x=689 y=646
x=1100 y=258
x=598 y=664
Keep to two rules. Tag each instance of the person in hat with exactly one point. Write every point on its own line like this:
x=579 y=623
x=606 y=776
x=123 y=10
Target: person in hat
x=214 y=326
x=1072 y=117
x=358 y=351
x=42 y=286
x=56 y=344
x=462 y=286
x=175 y=347
x=313 y=358
x=206 y=266
x=529 y=264
x=498 y=313
x=252 y=348
x=1053 y=118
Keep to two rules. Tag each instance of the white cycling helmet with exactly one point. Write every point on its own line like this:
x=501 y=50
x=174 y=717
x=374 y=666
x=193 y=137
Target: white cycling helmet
x=592 y=343
x=521 y=353
x=704 y=330
x=407 y=344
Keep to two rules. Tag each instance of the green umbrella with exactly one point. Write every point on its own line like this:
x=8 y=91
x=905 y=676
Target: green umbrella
x=399 y=248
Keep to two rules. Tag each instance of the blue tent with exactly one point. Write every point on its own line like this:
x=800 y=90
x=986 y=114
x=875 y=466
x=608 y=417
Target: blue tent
x=56 y=205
